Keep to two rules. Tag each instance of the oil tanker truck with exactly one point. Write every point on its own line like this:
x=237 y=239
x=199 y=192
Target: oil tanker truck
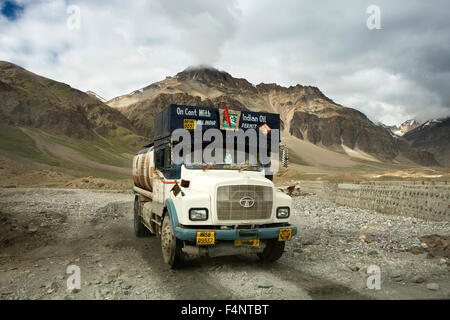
x=213 y=209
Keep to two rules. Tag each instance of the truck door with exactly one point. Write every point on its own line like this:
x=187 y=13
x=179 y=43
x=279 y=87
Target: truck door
x=165 y=172
x=158 y=176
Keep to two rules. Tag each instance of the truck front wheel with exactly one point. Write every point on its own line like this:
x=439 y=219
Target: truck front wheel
x=273 y=251
x=170 y=245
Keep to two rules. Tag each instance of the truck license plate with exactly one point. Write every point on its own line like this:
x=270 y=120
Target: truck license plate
x=205 y=238
x=285 y=234
x=246 y=243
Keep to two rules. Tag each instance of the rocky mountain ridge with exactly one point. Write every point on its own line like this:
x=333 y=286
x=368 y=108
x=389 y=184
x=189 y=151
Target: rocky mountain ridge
x=403 y=128
x=433 y=136
x=305 y=111
x=27 y=99
x=95 y=95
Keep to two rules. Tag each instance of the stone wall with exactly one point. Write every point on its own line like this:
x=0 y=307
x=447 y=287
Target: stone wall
x=427 y=200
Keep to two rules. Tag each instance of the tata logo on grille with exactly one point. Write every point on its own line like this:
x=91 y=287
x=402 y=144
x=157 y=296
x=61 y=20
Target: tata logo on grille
x=247 y=202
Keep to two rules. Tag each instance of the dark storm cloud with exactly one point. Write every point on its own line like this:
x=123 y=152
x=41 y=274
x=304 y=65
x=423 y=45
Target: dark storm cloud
x=398 y=72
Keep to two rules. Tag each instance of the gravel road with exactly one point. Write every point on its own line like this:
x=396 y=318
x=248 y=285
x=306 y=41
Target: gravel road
x=43 y=231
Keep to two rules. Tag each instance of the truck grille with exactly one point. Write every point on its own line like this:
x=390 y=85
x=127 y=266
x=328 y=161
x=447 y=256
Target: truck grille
x=235 y=202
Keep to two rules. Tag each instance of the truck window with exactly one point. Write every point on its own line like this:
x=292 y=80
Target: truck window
x=159 y=159
x=163 y=163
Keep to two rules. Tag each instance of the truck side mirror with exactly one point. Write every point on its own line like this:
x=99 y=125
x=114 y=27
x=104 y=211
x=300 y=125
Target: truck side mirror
x=167 y=159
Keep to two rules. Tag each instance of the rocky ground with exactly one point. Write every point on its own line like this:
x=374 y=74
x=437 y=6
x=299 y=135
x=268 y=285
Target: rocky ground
x=43 y=231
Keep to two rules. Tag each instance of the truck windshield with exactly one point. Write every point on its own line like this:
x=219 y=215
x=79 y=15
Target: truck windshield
x=229 y=160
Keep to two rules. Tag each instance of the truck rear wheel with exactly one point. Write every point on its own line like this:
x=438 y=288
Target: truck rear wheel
x=170 y=245
x=139 y=229
x=273 y=251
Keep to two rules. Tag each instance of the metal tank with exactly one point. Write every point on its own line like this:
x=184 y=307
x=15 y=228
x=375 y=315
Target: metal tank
x=142 y=162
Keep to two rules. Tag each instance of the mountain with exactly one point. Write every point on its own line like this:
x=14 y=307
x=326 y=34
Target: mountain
x=52 y=124
x=388 y=129
x=433 y=136
x=403 y=128
x=31 y=100
x=93 y=94
x=306 y=113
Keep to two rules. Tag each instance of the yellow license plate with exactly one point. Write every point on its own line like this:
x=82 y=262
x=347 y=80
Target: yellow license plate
x=246 y=243
x=189 y=124
x=285 y=234
x=205 y=238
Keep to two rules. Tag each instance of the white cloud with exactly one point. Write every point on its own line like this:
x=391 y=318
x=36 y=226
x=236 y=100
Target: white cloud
x=119 y=47
x=122 y=46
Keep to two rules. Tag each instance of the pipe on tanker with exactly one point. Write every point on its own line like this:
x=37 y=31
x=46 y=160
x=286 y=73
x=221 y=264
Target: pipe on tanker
x=143 y=192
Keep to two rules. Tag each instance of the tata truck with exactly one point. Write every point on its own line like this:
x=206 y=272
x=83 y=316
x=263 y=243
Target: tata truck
x=209 y=209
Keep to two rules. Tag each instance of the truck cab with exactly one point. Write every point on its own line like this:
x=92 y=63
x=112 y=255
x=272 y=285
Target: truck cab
x=228 y=206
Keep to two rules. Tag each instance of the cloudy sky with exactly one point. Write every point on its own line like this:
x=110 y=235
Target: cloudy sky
x=396 y=72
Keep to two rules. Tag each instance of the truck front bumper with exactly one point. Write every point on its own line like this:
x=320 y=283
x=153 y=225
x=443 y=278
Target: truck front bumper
x=225 y=235
x=234 y=234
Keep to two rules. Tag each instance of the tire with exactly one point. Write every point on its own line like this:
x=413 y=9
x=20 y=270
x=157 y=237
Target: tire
x=170 y=245
x=273 y=251
x=140 y=230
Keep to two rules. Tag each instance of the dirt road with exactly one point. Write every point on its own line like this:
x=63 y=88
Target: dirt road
x=43 y=231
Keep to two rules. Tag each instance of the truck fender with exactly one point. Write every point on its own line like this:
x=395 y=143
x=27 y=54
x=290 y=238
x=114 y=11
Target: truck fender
x=172 y=212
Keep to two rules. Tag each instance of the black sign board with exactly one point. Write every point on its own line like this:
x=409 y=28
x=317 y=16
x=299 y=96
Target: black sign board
x=192 y=118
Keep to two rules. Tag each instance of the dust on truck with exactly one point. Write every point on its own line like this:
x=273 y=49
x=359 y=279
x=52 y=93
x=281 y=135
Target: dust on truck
x=201 y=209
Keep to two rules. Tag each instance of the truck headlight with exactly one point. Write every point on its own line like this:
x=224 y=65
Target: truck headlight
x=283 y=212
x=198 y=214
